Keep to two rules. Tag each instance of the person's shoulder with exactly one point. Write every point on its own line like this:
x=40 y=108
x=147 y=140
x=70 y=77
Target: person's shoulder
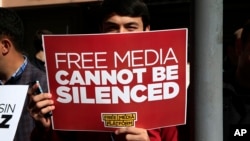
x=37 y=63
x=31 y=67
x=164 y=129
x=169 y=129
x=164 y=133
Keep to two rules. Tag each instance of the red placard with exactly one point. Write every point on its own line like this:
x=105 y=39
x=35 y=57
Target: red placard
x=101 y=82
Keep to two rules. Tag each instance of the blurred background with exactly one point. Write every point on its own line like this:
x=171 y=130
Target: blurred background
x=75 y=18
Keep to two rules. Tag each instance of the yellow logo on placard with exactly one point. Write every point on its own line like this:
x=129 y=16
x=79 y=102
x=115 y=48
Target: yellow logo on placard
x=119 y=119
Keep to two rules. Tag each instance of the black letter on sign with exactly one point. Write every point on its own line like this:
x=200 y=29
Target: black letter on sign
x=7 y=118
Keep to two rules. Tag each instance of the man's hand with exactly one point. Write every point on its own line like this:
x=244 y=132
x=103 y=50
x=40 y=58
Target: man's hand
x=133 y=134
x=40 y=105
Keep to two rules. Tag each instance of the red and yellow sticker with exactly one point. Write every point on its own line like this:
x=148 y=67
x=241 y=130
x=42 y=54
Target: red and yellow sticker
x=113 y=120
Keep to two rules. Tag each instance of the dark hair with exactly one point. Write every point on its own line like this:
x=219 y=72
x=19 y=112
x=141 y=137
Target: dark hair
x=11 y=26
x=38 y=39
x=245 y=36
x=132 y=8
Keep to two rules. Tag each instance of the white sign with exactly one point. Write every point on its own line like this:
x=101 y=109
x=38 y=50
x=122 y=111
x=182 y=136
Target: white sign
x=12 y=99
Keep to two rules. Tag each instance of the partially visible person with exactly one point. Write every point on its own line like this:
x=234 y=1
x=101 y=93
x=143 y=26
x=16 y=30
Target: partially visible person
x=119 y=16
x=124 y=16
x=236 y=88
x=243 y=69
x=15 y=68
x=38 y=59
x=231 y=50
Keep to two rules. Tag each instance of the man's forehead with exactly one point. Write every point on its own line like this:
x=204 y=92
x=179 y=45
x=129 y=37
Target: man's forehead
x=123 y=19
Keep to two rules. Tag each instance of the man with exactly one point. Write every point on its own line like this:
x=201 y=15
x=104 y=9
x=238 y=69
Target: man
x=38 y=59
x=236 y=90
x=118 y=16
x=15 y=68
x=124 y=16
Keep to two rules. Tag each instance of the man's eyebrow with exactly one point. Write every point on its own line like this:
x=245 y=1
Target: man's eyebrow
x=132 y=23
x=113 y=23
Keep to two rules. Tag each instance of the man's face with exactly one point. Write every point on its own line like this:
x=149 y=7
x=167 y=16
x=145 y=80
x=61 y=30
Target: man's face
x=121 y=24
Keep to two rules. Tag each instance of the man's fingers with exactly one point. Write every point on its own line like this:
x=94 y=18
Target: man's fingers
x=40 y=101
x=41 y=97
x=40 y=105
x=129 y=130
x=47 y=109
x=133 y=134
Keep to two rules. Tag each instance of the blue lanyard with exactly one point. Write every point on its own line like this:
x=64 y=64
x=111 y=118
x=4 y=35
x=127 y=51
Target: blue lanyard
x=20 y=70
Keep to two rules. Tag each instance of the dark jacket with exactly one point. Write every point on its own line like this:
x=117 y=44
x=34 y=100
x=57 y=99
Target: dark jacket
x=26 y=123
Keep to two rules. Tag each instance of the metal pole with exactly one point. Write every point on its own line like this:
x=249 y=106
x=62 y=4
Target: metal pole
x=207 y=70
